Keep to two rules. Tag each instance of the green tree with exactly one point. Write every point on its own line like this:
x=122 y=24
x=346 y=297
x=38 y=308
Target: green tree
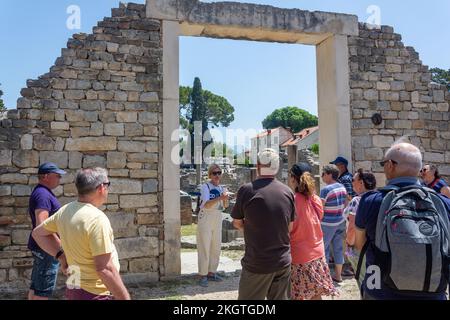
x=441 y=76
x=226 y=151
x=2 y=105
x=197 y=104
x=290 y=117
x=314 y=148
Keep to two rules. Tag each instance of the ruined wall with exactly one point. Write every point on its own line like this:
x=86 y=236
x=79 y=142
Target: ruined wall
x=98 y=106
x=388 y=78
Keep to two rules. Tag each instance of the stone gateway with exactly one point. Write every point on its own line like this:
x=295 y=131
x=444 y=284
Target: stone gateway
x=110 y=99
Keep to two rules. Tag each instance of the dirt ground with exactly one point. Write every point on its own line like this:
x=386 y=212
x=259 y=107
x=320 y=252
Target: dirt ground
x=187 y=288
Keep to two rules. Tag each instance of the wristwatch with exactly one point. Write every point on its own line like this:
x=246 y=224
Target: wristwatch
x=59 y=254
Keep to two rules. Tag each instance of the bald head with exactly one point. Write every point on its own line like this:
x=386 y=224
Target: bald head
x=408 y=157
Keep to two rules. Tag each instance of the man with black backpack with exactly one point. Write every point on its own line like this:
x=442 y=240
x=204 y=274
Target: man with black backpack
x=403 y=230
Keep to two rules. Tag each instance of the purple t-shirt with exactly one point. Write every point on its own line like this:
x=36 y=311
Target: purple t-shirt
x=41 y=198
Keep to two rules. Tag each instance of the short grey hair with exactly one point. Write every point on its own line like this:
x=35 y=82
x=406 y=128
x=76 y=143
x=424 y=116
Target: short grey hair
x=88 y=180
x=331 y=169
x=408 y=156
x=271 y=160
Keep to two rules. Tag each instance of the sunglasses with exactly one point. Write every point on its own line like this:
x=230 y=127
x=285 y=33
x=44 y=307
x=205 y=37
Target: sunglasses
x=423 y=170
x=382 y=163
x=106 y=184
x=217 y=173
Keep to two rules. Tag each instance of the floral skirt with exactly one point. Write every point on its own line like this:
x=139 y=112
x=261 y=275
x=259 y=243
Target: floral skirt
x=311 y=279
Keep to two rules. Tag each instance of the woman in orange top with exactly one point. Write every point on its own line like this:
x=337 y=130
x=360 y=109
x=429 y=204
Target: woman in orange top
x=310 y=276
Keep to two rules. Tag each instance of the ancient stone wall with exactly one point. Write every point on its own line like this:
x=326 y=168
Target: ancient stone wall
x=101 y=105
x=388 y=78
x=98 y=106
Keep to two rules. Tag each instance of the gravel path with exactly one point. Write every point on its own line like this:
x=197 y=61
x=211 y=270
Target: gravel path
x=186 y=287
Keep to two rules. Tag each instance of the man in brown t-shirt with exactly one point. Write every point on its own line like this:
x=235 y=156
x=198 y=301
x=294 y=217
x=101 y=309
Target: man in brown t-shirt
x=265 y=210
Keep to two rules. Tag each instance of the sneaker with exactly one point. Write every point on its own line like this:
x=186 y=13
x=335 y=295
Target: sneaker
x=215 y=277
x=203 y=282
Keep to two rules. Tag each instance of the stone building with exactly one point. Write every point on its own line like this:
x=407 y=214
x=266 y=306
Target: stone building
x=110 y=98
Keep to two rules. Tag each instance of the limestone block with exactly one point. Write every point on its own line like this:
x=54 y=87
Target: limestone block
x=91 y=144
x=70 y=190
x=125 y=186
x=112 y=47
x=137 y=247
x=120 y=96
x=144 y=265
x=61 y=159
x=434 y=157
x=371 y=95
x=373 y=154
x=25 y=158
x=152 y=146
x=92 y=161
x=118 y=172
x=389 y=96
x=68 y=104
x=442 y=107
x=149 y=97
x=75 y=159
x=397 y=85
x=148 y=118
x=137 y=201
x=79 y=84
x=96 y=129
x=150 y=186
x=74 y=94
x=383 y=86
x=151 y=131
x=5 y=158
x=131 y=86
x=114 y=129
x=131 y=146
x=134 y=130
x=383 y=141
x=134 y=165
x=21 y=190
x=115 y=106
x=143 y=173
x=126 y=117
x=143 y=157
x=146 y=219
x=5 y=190
x=74 y=115
x=59 y=125
x=14 y=178
x=91 y=105
x=116 y=160
x=20 y=236
x=123 y=225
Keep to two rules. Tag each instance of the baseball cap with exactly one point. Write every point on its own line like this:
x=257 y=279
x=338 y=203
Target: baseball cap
x=50 y=167
x=300 y=168
x=340 y=160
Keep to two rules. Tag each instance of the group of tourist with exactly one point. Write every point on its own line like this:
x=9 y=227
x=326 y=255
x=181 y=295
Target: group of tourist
x=76 y=237
x=293 y=236
x=395 y=239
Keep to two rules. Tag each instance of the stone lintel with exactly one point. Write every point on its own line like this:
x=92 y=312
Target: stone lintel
x=250 y=21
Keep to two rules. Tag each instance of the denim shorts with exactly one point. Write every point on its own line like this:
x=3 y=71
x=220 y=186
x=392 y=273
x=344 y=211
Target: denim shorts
x=44 y=274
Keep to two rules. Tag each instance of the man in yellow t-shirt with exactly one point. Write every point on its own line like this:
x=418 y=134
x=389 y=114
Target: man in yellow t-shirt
x=88 y=255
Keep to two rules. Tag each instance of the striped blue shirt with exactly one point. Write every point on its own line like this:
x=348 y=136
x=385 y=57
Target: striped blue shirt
x=334 y=195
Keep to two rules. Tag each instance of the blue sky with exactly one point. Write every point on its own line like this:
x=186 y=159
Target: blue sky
x=255 y=77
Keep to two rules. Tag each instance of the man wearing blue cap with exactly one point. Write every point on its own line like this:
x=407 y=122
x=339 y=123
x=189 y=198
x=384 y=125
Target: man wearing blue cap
x=345 y=177
x=43 y=204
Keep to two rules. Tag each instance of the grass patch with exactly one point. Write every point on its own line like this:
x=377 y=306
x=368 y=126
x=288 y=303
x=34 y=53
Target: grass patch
x=189 y=230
